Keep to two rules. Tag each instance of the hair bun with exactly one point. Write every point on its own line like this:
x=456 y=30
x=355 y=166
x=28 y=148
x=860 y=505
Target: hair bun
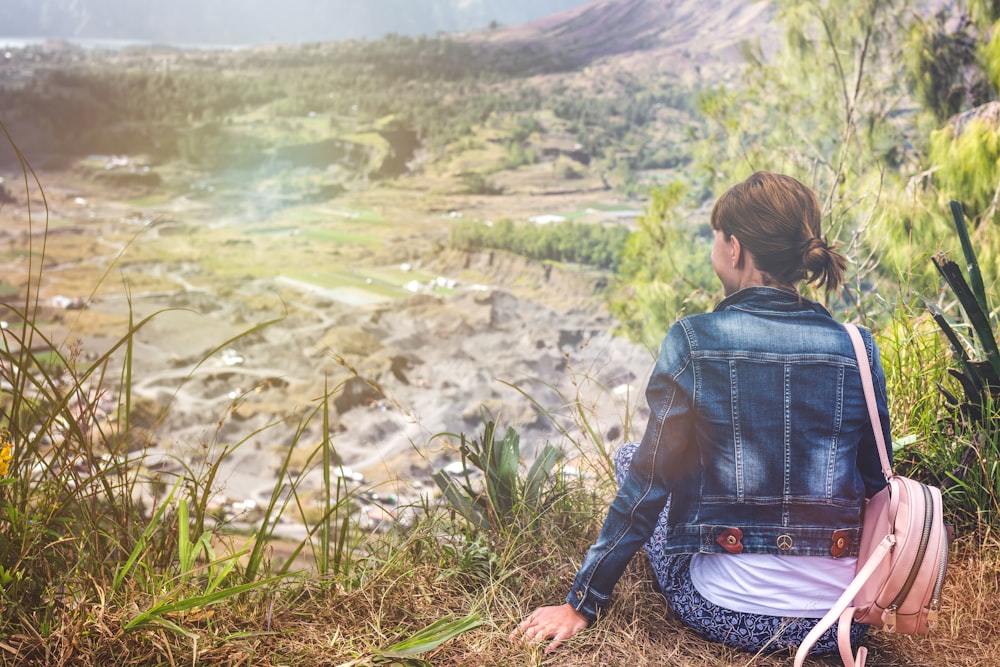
x=824 y=265
x=815 y=253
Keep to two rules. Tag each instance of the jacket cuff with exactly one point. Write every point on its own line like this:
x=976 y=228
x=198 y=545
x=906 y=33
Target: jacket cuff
x=587 y=602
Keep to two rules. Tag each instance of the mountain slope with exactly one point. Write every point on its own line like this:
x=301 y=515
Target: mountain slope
x=689 y=32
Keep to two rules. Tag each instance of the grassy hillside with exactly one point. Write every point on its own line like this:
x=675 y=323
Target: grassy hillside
x=287 y=259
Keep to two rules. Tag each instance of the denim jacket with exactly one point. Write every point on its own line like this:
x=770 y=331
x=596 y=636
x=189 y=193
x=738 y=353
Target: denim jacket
x=758 y=435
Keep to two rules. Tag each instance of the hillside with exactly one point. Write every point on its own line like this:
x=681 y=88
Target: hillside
x=672 y=35
x=245 y=329
x=619 y=77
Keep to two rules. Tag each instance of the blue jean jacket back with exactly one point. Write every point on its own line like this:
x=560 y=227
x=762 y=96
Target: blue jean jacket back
x=758 y=436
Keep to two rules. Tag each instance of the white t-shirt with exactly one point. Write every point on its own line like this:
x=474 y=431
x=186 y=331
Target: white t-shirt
x=792 y=586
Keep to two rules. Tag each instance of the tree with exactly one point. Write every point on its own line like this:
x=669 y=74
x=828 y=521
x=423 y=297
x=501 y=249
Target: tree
x=827 y=106
x=665 y=270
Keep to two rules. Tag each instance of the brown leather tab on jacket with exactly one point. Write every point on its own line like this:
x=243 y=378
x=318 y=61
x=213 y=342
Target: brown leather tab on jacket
x=731 y=540
x=840 y=542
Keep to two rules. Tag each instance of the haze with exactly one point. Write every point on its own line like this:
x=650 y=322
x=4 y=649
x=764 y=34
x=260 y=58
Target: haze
x=260 y=21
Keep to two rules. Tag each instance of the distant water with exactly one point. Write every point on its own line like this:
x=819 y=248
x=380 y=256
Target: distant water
x=11 y=43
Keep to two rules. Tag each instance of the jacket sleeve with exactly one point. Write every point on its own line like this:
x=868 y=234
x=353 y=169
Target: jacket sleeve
x=868 y=459
x=634 y=512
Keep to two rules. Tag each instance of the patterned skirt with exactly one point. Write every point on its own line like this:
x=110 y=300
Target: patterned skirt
x=740 y=630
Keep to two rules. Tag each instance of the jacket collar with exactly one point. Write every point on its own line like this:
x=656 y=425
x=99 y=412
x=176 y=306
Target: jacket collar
x=769 y=298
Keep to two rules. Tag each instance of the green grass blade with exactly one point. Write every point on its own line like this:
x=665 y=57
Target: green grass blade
x=156 y=613
x=140 y=545
x=183 y=536
x=219 y=569
x=167 y=624
x=340 y=556
x=546 y=460
x=460 y=500
x=432 y=636
x=322 y=562
x=505 y=476
x=975 y=275
x=275 y=506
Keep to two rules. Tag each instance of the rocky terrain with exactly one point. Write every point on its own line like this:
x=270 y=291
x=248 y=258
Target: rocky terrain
x=398 y=374
x=233 y=363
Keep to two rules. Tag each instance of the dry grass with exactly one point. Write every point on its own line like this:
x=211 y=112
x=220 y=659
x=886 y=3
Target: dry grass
x=410 y=583
x=640 y=631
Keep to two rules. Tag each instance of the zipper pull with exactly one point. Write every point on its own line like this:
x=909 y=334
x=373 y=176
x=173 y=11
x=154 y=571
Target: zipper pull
x=889 y=618
x=932 y=612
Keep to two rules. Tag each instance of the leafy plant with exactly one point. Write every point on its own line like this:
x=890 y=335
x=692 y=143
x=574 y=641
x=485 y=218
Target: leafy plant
x=503 y=496
x=334 y=553
x=68 y=492
x=85 y=529
x=178 y=595
x=966 y=459
x=979 y=378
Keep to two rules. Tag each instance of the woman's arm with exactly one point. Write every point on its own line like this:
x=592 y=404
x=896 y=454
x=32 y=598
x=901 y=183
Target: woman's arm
x=642 y=495
x=633 y=513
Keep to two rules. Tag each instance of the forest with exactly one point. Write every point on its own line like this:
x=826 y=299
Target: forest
x=82 y=102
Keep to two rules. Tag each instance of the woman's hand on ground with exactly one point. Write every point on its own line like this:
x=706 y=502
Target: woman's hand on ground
x=556 y=623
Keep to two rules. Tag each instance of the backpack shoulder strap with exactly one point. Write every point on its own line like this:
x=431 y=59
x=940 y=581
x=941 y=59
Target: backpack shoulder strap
x=842 y=609
x=866 y=381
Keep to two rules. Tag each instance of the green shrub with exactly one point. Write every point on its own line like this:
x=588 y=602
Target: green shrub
x=964 y=457
x=569 y=242
x=504 y=500
x=477 y=184
x=969 y=164
x=665 y=271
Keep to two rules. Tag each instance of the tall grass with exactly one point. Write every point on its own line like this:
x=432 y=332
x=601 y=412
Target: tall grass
x=959 y=422
x=91 y=548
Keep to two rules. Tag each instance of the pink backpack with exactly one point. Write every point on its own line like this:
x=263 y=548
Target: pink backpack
x=902 y=557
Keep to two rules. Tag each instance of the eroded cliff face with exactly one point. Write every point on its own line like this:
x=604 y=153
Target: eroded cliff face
x=403 y=144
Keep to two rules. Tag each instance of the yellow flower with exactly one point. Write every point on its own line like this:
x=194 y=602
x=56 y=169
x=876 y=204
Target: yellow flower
x=5 y=457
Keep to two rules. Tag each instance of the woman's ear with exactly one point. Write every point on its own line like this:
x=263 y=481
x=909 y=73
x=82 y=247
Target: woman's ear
x=737 y=252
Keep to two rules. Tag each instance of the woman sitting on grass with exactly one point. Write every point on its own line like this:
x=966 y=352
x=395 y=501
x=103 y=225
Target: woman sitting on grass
x=748 y=484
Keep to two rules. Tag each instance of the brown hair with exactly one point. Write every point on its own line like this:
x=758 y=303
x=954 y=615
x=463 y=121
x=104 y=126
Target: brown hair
x=777 y=219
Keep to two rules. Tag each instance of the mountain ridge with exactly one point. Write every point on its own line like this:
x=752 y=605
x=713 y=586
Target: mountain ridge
x=685 y=31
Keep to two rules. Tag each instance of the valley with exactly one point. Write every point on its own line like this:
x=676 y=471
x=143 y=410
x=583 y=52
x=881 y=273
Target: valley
x=289 y=243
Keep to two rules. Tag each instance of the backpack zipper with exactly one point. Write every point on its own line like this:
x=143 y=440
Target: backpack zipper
x=934 y=606
x=925 y=534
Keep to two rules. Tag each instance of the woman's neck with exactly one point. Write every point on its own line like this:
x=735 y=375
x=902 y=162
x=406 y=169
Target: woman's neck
x=753 y=277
